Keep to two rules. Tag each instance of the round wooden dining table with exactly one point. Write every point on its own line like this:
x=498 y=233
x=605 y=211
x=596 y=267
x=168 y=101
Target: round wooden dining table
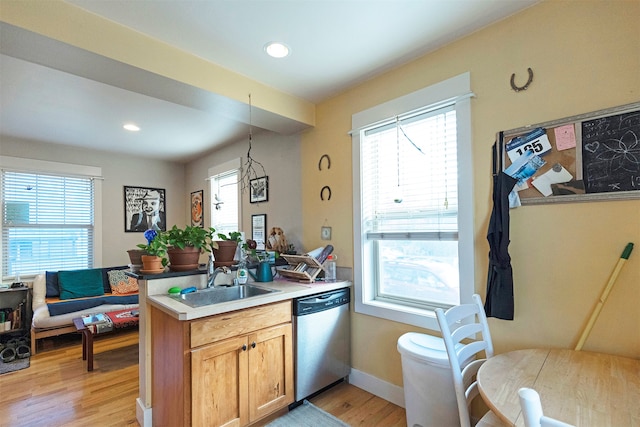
x=577 y=387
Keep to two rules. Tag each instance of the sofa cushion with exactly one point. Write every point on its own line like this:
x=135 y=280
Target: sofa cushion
x=53 y=290
x=80 y=283
x=121 y=284
x=105 y=276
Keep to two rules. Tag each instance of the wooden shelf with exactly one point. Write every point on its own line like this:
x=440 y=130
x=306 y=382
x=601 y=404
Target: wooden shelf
x=303 y=268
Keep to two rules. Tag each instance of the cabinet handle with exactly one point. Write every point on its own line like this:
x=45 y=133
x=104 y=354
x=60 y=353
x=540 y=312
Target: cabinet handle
x=253 y=344
x=244 y=347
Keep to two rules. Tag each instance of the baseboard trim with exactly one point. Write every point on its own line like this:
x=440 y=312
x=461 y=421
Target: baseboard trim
x=143 y=414
x=374 y=385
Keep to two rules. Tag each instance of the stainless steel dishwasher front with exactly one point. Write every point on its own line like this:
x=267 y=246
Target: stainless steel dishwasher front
x=322 y=341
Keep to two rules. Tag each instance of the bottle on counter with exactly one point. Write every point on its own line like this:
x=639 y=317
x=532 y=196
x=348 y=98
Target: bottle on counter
x=241 y=274
x=330 y=268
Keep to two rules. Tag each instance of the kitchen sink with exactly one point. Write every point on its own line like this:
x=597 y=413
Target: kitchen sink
x=219 y=295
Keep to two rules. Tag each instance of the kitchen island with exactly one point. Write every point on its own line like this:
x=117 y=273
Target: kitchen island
x=179 y=343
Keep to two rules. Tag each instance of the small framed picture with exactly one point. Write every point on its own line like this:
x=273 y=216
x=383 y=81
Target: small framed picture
x=197 y=213
x=144 y=208
x=259 y=230
x=259 y=190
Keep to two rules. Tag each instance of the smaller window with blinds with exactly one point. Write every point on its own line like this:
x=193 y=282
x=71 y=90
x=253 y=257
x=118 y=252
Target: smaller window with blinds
x=47 y=223
x=409 y=170
x=225 y=202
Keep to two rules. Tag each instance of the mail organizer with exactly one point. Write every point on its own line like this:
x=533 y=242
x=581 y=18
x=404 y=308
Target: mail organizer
x=594 y=156
x=303 y=268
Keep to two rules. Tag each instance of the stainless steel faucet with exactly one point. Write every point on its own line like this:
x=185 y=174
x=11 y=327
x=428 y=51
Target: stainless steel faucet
x=213 y=273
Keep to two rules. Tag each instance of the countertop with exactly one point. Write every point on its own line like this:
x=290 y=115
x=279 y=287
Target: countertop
x=288 y=290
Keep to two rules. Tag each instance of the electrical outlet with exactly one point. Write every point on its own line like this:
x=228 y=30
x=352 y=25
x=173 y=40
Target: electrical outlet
x=325 y=233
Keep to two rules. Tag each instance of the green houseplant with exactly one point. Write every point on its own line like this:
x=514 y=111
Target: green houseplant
x=184 y=246
x=156 y=252
x=224 y=249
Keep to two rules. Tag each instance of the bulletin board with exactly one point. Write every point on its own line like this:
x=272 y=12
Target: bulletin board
x=593 y=156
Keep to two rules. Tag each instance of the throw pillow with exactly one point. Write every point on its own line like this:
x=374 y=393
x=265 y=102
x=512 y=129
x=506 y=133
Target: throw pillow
x=53 y=290
x=80 y=283
x=121 y=284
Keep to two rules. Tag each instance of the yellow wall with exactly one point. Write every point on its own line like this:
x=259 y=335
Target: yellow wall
x=586 y=57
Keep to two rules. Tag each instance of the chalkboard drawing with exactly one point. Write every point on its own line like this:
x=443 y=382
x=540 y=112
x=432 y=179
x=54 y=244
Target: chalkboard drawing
x=611 y=153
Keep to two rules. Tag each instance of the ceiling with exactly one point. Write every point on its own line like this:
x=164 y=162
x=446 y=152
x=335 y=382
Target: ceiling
x=334 y=45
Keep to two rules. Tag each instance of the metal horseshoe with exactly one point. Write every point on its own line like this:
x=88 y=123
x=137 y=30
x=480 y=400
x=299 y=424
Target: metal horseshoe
x=326 y=187
x=519 y=88
x=328 y=162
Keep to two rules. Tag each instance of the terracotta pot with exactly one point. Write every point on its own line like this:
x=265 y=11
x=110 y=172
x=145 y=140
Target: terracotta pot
x=183 y=259
x=224 y=254
x=151 y=264
x=135 y=256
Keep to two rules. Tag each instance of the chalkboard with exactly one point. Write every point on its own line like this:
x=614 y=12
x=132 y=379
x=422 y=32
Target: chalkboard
x=592 y=156
x=611 y=153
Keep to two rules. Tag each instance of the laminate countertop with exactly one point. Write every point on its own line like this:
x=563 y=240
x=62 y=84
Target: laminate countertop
x=286 y=290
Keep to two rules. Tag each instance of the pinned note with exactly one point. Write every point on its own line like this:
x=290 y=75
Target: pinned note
x=565 y=137
x=556 y=175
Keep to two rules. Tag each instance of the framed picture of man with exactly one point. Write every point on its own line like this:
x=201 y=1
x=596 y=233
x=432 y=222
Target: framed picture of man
x=197 y=218
x=144 y=209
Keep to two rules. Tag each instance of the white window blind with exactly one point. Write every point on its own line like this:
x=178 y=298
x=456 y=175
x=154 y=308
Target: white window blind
x=410 y=168
x=224 y=202
x=47 y=223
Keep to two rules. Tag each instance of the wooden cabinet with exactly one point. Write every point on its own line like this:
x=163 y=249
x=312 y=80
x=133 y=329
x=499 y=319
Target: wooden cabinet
x=237 y=367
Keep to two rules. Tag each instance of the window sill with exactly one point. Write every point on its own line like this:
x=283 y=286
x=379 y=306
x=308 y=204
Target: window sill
x=399 y=313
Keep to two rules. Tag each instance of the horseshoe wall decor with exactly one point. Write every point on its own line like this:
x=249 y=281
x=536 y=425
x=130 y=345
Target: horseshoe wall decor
x=327 y=188
x=519 y=88
x=324 y=156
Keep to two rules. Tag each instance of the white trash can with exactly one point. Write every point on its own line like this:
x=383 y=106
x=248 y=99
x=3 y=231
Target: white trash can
x=429 y=396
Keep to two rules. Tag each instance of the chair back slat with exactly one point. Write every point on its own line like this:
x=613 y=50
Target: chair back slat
x=459 y=324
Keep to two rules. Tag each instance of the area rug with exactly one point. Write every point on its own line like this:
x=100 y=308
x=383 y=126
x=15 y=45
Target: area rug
x=14 y=365
x=307 y=415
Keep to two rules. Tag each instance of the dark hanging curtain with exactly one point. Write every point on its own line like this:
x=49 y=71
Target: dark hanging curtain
x=499 y=300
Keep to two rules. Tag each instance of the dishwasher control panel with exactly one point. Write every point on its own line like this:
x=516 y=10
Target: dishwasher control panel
x=321 y=302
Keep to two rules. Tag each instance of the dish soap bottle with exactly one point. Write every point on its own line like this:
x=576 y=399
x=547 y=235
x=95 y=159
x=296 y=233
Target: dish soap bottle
x=241 y=273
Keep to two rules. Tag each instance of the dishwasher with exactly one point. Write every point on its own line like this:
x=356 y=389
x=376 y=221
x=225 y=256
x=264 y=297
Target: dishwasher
x=321 y=325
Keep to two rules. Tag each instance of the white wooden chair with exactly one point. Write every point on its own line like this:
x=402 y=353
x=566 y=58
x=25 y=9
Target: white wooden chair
x=532 y=410
x=464 y=376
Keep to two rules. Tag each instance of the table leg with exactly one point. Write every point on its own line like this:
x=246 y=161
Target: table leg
x=88 y=349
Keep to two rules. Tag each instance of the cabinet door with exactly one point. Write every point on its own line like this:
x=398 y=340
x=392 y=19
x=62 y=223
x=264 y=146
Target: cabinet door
x=219 y=384
x=270 y=370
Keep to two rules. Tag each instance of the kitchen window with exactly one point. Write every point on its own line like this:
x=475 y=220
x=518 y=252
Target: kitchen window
x=225 y=200
x=48 y=217
x=413 y=204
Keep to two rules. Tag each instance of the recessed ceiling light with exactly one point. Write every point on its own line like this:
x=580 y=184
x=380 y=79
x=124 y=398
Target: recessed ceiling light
x=276 y=50
x=131 y=127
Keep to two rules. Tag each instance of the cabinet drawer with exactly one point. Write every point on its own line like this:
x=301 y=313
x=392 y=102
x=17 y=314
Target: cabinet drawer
x=227 y=325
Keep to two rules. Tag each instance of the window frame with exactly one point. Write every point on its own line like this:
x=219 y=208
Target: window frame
x=223 y=169
x=456 y=90
x=18 y=164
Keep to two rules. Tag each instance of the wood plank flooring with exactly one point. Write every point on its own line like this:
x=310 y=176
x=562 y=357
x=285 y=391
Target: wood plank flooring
x=56 y=390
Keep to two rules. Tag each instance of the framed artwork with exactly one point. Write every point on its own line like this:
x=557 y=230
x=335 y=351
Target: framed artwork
x=259 y=230
x=197 y=213
x=259 y=190
x=144 y=208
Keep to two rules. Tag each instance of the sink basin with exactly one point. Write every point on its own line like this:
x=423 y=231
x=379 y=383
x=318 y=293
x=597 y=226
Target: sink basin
x=221 y=294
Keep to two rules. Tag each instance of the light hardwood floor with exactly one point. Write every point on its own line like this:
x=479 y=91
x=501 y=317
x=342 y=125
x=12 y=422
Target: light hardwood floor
x=57 y=390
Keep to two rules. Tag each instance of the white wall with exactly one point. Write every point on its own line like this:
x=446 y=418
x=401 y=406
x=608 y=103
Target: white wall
x=280 y=156
x=118 y=170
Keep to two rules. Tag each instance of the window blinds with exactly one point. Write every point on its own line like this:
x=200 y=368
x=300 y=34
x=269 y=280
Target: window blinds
x=47 y=223
x=224 y=210
x=411 y=169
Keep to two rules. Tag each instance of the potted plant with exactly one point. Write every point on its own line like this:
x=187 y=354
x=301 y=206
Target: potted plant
x=224 y=250
x=156 y=251
x=184 y=246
